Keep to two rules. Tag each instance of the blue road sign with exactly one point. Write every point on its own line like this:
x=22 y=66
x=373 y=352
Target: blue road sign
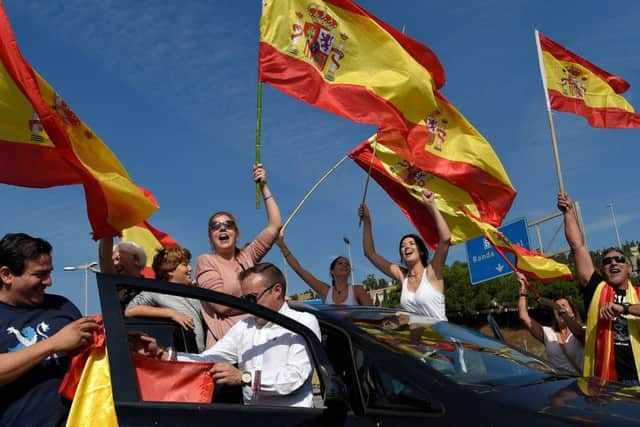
x=485 y=263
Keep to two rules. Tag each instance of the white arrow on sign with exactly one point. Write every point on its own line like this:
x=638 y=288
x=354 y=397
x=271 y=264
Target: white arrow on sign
x=500 y=267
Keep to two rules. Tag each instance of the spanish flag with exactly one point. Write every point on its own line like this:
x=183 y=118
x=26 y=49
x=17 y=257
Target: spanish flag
x=150 y=238
x=336 y=56
x=444 y=144
x=599 y=353
x=532 y=264
x=575 y=85
x=43 y=143
x=404 y=183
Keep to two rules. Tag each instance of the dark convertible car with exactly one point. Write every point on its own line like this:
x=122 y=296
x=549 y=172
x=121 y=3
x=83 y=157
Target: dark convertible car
x=374 y=367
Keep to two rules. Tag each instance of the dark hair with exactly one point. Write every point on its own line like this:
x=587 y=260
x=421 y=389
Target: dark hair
x=333 y=264
x=17 y=248
x=615 y=249
x=422 y=248
x=554 y=324
x=167 y=259
x=270 y=275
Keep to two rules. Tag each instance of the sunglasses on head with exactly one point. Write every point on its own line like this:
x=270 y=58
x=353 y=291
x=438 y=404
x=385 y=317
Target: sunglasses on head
x=619 y=259
x=254 y=297
x=217 y=225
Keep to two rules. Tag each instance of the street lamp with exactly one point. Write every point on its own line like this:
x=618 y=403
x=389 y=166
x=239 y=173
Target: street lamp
x=90 y=266
x=615 y=224
x=348 y=243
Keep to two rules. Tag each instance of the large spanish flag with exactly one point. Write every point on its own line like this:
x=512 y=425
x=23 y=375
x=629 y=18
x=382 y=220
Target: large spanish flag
x=335 y=55
x=575 y=85
x=43 y=143
x=532 y=264
x=404 y=183
x=444 y=144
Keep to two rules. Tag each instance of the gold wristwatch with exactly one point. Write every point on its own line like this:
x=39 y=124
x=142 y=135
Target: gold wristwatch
x=246 y=378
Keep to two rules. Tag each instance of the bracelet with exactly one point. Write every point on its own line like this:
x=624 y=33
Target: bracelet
x=268 y=197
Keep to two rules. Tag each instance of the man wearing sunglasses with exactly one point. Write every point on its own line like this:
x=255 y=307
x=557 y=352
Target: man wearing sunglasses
x=274 y=366
x=612 y=348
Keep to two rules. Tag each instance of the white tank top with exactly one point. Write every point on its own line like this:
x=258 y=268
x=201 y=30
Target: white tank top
x=426 y=300
x=557 y=357
x=351 y=299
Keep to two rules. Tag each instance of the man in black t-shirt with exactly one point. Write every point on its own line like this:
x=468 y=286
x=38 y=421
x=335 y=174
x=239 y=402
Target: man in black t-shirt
x=37 y=330
x=614 y=304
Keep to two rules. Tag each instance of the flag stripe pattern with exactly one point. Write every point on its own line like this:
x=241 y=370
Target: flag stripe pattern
x=326 y=53
x=577 y=86
x=36 y=114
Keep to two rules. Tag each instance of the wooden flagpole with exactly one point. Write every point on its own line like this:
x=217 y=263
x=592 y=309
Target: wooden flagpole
x=366 y=183
x=313 y=189
x=554 y=142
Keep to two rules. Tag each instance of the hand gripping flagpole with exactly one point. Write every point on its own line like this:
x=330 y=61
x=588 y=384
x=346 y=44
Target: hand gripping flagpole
x=554 y=142
x=366 y=183
x=313 y=189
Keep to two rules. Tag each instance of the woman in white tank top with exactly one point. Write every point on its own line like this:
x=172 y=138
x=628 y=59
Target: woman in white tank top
x=340 y=269
x=564 y=340
x=422 y=282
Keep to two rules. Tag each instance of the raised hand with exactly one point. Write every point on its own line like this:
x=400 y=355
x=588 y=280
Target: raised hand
x=259 y=174
x=565 y=203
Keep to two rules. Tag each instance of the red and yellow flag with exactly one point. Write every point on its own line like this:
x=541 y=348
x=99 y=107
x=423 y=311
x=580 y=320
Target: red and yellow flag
x=444 y=144
x=404 y=183
x=150 y=238
x=336 y=56
x=43 y=143
x=532 y=264
x=575 y=85
x=599 y=354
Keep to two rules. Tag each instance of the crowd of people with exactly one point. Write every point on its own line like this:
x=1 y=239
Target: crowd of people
x=40 y=330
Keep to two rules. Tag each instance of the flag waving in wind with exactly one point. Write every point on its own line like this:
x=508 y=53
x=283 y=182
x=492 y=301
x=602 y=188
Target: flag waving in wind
x=532 y=264
x=336 y=56
x=404 y=183
x=43 y=143
x=445 y=145
x=575 y=85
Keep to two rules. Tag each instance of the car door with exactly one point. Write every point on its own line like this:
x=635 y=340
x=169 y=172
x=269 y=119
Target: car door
x=132 y=410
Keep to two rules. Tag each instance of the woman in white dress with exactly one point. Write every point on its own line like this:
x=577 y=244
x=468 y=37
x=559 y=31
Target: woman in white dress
x=564 y=340
x=422 y=281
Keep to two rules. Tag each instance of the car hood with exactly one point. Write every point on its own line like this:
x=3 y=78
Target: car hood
x=581 y=400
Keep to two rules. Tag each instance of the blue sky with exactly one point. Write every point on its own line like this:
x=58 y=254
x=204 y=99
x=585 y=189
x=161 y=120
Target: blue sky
x=171 y=87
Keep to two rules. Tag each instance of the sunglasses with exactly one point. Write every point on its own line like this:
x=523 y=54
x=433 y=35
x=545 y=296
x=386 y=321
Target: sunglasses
x=619 y=259
x=217 y=225
x=253 y=298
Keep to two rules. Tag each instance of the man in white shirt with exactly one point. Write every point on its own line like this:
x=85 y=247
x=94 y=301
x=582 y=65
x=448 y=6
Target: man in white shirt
x=274 y=366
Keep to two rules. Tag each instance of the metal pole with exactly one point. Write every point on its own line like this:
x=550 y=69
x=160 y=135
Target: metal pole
x=615 y=225
x=540 y=246
x=348 y=243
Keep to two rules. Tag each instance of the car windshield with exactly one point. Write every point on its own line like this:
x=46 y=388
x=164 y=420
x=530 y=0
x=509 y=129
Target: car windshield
x=464 y=355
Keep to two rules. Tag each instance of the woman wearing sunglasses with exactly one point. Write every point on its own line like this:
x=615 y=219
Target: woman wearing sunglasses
x=564 y=340
x=340 y=292
x=422 y=281
x=219 y=270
